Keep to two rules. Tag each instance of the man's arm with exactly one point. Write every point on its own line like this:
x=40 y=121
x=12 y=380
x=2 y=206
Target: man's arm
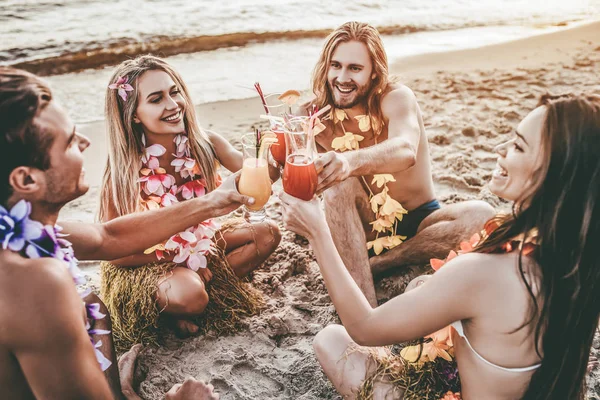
x=53 y=347
x=397 y=153
x=134 y=233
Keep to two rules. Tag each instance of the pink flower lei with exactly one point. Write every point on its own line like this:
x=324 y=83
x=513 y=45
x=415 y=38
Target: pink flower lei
x=195 y=243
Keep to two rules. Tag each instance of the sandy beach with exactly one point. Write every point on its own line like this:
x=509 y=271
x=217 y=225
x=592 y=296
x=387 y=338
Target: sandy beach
x=471 y=100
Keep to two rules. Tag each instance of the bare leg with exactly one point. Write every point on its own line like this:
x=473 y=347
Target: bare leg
x=181 y=295
x=346 y=364
x=438 y=234
x=108 y=347
x=345 y=206
x=247 y=247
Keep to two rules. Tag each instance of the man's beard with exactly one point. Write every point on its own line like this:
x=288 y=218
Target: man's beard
x=360 y=95
x=61 y=189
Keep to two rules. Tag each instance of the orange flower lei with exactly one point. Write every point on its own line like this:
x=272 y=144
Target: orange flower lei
x=441 y=344
x=195 y=243
x=518 y=242
x=388 y=212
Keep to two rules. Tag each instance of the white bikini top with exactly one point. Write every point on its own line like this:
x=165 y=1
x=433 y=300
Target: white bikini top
x=458 y=326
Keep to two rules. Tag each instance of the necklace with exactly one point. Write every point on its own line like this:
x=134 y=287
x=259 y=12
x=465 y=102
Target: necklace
x=32 y=239
x=527 y=243
x=388 y=212
x=159 y=189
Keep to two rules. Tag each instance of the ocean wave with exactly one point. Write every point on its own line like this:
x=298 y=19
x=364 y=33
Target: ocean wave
x=52 y=60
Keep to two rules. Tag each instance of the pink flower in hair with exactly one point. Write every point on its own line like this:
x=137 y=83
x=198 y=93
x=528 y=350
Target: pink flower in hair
x=122 y=87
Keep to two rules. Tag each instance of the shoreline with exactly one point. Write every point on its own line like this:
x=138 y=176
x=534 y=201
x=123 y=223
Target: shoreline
x=280 y=65
x=550 y=47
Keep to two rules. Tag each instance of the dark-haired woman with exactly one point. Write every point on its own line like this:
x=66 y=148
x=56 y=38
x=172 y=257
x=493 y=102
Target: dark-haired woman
x=524 y=305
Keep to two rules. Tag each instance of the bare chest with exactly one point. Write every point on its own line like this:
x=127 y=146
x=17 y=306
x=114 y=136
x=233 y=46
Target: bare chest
x=364 y=139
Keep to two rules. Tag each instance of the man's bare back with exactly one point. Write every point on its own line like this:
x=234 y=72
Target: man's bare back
x=43 y=332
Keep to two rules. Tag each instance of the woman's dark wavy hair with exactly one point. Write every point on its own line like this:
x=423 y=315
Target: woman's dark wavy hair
x=564 y=208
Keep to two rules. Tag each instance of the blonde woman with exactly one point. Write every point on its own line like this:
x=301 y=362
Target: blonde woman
x=158 y=155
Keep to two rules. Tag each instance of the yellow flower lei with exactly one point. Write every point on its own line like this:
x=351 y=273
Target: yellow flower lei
x=387 y=210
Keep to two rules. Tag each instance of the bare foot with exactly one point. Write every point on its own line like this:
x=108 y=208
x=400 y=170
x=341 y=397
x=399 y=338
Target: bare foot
x=127 y=364
x=185 y=328
x=192 y=389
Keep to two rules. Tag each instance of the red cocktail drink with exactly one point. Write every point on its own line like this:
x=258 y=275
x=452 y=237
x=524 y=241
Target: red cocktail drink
x=278 y=149
x=300 y=177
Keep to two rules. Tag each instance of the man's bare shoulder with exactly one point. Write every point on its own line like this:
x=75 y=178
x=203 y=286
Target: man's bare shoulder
x=398 y=98
x=37 y=289
x=44 y=270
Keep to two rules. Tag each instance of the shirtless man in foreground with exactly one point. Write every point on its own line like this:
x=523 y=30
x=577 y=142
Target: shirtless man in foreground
x=45 y=350
x=352 y=76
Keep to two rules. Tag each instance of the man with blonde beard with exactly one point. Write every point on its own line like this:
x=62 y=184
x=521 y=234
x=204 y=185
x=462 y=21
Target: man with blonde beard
x=375 y=168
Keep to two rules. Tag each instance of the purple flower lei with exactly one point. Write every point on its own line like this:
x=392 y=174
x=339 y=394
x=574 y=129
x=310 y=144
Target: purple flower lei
x=31 y=239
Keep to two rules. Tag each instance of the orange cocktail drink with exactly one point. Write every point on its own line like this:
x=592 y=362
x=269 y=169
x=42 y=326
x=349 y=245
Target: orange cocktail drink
x=255 y=180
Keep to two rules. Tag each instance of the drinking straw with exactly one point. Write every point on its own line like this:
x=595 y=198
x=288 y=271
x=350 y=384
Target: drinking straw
x=262 y=97
x=313 y=117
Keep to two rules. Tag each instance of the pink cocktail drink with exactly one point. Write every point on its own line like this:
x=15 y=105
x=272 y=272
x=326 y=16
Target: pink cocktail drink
x=300 y=176
x=278 y=150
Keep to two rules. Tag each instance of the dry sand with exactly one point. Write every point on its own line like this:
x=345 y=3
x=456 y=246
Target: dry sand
x=471 y=101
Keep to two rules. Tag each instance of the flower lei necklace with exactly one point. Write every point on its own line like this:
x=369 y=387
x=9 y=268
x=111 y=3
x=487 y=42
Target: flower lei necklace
x=388 y=212
x=160 y=189
x=439 y=344
x=31 y=239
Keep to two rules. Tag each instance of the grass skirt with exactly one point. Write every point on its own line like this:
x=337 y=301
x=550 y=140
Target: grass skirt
x=130 y=296
x=428 y=381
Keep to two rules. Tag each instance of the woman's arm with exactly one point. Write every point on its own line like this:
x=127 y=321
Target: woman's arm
x=451 y=294
x=447 y=296
x=227 y=155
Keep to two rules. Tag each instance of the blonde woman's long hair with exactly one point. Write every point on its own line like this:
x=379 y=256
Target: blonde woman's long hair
x=120 y=190
x=367 y=34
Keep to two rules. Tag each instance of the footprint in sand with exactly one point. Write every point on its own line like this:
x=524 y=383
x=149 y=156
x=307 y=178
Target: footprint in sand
x=254 y=384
